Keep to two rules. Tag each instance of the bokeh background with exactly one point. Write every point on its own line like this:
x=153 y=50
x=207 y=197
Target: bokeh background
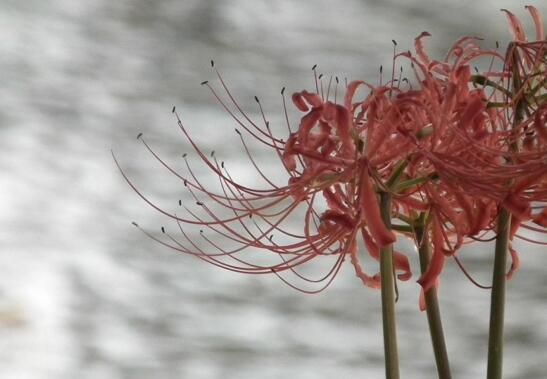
x=83 y=294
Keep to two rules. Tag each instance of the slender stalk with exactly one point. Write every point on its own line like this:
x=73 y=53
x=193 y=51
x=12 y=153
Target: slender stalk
x=432 y=306
x=497 y=306
x=388 y=296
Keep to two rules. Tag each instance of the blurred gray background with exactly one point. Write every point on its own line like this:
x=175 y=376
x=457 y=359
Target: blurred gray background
x=83 y=294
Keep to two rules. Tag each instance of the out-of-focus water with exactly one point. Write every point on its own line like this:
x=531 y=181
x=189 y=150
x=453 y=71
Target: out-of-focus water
x=83 y=294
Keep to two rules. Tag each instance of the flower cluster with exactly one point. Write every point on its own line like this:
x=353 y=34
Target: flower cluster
x=451 y=147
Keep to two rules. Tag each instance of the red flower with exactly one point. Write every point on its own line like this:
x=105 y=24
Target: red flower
x=486 y=148
x=330 y=191
x=457 y=147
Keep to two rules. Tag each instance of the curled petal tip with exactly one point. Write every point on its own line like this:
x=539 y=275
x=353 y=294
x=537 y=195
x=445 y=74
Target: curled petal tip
x=424 y=34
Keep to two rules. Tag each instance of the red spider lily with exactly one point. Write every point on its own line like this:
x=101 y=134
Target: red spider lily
x=455 y=157
x=473 y=152
x=350 y=134
x=450 y=147
x=327 y=163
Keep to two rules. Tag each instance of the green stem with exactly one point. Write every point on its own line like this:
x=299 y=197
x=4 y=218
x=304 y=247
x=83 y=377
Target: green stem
x=497 y=306
x=432 y=307
x=388 y=296
x=482 y=80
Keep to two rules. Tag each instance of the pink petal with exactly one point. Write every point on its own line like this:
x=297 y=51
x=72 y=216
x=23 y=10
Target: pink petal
x=515 y=26
x=515 y=263
x=371 y=211
x=518 y=207
x=306 y=124
x=338 y=218
x=538 y=21
x=419 y=46
x=312 y=98
x=298 y=100
x=350 y=92
x=428 y=278
x=369 y=281
x=333 y=200
x=400 y=261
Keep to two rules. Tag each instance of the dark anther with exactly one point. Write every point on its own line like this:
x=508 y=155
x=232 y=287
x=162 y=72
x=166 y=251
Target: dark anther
x=282 y=90
x=204 y=82
x=238 y=132
x=139 y=136
x=180 y=203
x=381 y=69
x=222 y=164
x=213 y=153
x=497 y=45
x=199 y=203
x=336 y=78
x=394 y=42
x=320 y=76
x=185 y=183
x=256 y=99
x=314 y=67
x=173 y=111
x=134 y=223
x=201 y=230
x=184 y=155
x=212 y=63
x=162 y=229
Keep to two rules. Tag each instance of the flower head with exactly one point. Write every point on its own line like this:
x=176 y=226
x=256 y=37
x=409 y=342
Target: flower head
x=451 y=149
x=486 y=148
